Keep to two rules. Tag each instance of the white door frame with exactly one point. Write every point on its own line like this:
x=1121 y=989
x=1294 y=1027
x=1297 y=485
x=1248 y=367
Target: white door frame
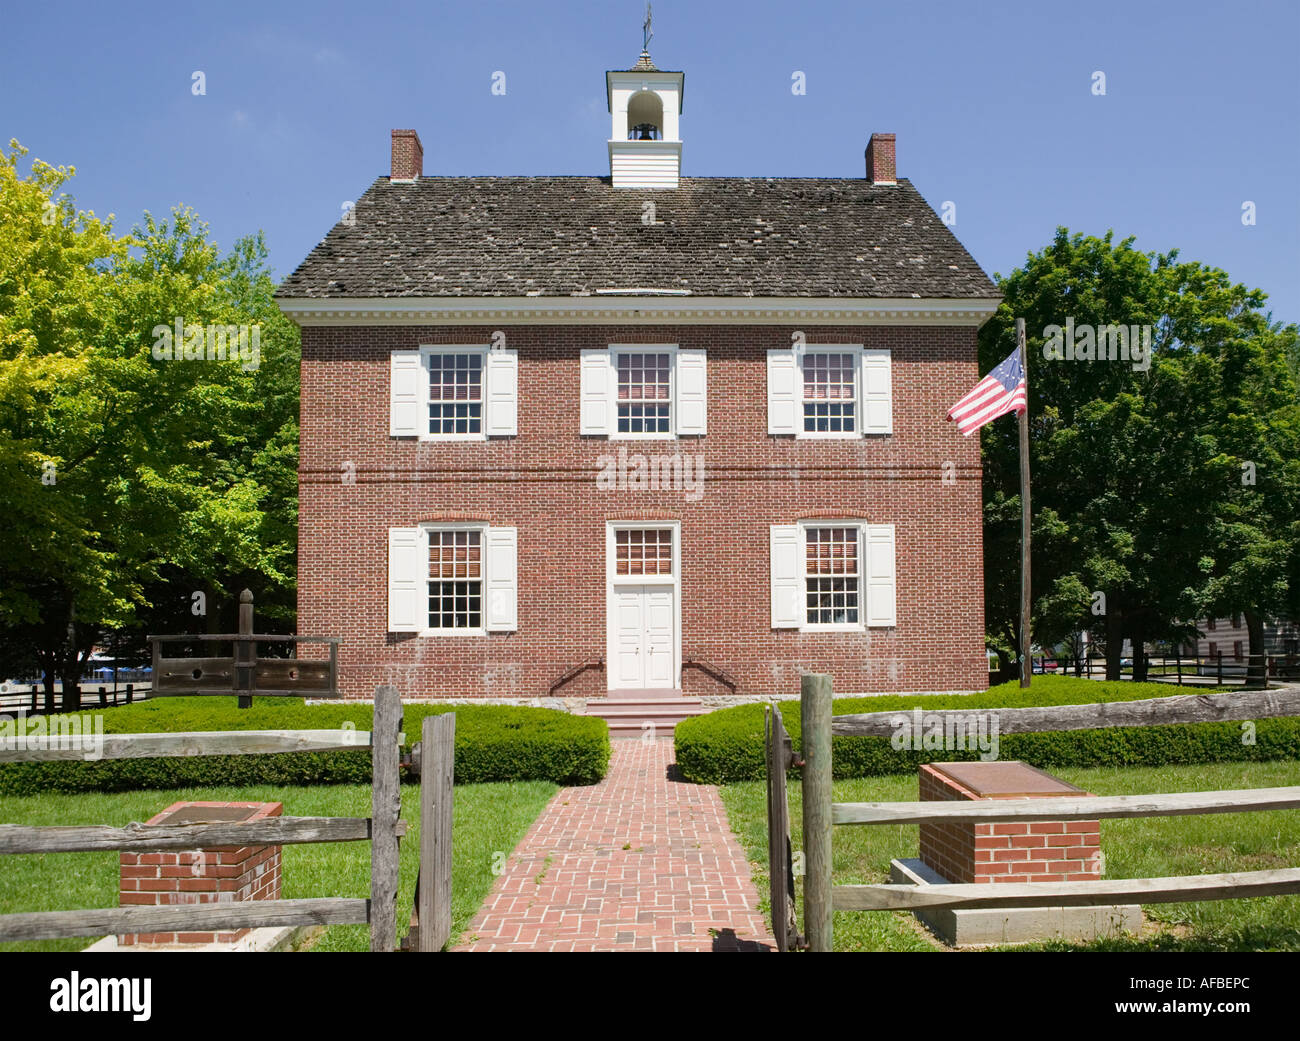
x=673 y=582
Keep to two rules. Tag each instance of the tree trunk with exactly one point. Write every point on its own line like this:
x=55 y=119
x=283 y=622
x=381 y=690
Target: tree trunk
x=1137 y=636
x=1256 y=673
x=1114 y=644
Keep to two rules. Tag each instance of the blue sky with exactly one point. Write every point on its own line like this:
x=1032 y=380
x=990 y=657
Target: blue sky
x=992 y=104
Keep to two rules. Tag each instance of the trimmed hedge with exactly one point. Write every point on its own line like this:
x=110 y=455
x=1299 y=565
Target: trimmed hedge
x=727 y=745
x=493 y=743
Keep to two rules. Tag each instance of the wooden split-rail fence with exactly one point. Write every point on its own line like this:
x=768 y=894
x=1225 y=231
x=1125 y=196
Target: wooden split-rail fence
x=383 y=828
x=821 y=813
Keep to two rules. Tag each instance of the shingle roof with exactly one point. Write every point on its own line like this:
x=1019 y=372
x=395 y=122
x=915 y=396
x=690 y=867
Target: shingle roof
x=573 y=236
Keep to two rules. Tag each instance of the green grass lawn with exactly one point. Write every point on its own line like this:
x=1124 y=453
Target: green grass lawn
x=1134 y=848
x=488 y=819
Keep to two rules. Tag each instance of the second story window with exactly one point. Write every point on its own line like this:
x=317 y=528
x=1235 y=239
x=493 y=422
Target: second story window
x=644 y=393
x=829 y=394
x=460 y=393
x=841 y=391
x=456 y=394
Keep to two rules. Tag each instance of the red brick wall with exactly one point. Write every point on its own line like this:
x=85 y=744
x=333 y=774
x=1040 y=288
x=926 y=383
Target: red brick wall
x=544 y=482
x=1032 y=851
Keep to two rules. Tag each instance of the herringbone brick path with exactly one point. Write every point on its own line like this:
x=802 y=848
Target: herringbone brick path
x=639 y=862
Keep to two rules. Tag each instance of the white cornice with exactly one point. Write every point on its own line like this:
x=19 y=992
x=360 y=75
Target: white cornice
x=636 y=310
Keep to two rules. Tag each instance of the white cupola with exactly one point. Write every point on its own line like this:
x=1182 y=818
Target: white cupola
x=645 y=145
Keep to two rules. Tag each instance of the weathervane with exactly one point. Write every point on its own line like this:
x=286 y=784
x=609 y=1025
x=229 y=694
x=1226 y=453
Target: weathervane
x=647 y=33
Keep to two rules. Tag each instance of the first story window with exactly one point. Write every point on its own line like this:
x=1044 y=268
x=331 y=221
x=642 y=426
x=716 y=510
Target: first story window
x=455 y=579
x=643 y=551
x=831 y=576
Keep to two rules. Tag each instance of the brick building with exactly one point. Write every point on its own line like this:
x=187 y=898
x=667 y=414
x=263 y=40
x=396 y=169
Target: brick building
x=570 y=435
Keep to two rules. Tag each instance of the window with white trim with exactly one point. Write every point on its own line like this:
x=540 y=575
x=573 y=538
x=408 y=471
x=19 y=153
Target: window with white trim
x=647 y=391
x=831 y=576
x=644 y=382
x=454 y=393
x=455 y=579
x=830 y=393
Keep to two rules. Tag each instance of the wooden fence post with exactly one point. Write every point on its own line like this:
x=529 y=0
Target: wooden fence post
x=815 y=719
x=386 y=807
x=437 y=769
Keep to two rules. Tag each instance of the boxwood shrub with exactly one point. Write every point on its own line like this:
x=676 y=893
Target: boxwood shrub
x=493 y=743
x=727 y=745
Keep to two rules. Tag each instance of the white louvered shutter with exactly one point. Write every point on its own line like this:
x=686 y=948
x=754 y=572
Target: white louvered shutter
x=408 y=580
x=787 y=577
x=501 y=393
x=881 y=576
x=877 y=392
x=692 y=393
x=406 y=395
x=783 y=395
x=502 y=560
x=596 y=396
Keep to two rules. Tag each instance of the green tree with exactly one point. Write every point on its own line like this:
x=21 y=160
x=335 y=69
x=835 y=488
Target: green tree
x=131 y=480
x=1136 y=468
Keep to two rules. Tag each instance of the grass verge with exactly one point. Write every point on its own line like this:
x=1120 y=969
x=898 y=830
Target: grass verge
x=488 y=819
x=1136 y=848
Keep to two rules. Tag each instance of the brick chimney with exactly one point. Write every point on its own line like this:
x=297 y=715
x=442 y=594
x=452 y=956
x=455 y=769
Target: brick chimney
x=880 y=159
x=408 y=156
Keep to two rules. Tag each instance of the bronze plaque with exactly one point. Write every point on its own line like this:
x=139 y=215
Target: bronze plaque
x=1009 y=780
x=209 y=814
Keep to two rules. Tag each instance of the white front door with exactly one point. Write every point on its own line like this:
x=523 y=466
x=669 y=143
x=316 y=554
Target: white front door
x=643 y=637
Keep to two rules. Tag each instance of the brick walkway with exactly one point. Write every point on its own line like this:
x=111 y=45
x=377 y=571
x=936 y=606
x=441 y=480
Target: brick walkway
x=639 y=862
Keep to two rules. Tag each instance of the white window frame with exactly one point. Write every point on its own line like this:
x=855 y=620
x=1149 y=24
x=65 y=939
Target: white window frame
x=860 y=626
x=427 y=351
x=616 y=349
x=482 y=529
x=853 y=349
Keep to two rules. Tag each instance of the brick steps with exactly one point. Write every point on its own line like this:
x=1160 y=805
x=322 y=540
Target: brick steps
x=627 y=715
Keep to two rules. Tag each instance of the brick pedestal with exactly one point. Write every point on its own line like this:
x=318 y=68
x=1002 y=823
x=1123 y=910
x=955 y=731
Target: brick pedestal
x=1038 y=851
x=1041 y=851
x=218 y=874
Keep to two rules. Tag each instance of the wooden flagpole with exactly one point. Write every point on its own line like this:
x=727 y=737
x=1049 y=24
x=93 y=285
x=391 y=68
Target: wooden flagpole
x=1026 y=664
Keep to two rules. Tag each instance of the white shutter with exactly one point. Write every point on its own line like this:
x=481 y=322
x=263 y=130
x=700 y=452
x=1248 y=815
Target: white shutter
x=782 y=393
x=692 y=392
x=408 y=580
x=877 y=392
x=502 y=560
x=596 y=396
x=787 y=577
x=406 y=395
x=881 y=575
x=501 y=372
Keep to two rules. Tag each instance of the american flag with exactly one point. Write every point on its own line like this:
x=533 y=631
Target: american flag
x=1003 y=390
